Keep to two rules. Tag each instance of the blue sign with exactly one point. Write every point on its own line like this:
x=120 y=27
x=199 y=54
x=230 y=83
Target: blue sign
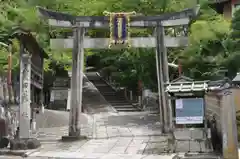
x=189 y=111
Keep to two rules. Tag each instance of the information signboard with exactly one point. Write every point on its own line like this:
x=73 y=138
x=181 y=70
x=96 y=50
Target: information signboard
x=189 y=111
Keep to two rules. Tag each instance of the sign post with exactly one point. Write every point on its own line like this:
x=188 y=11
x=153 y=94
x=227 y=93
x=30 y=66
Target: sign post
x=189 y=111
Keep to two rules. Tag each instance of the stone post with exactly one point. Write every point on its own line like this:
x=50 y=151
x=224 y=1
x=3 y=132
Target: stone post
x=69 y=93
x=131 y=96
x=25 y=95
x=229 y=126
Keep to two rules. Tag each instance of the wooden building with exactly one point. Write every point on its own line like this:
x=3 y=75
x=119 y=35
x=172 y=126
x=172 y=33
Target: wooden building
x=225 y=7
x=32 y=47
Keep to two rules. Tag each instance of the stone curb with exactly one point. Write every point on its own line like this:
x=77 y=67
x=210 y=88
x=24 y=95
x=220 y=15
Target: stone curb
x=204 y=155
x=22 y=153
x=127 y=136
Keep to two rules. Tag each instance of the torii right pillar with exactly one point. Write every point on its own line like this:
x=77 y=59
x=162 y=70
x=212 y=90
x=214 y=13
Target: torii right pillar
x=163 y=77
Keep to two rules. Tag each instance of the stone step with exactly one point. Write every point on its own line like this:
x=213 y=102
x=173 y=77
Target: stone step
x=119 y=104
x=108 y=93
x=104 y=88
x=113 y=97
x=118 y=101
x=123 y=106
x=97 y=82
x=127 y=109
x=101 y=85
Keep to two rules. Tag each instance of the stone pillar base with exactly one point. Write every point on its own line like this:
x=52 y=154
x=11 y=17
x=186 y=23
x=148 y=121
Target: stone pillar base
x=23 y=144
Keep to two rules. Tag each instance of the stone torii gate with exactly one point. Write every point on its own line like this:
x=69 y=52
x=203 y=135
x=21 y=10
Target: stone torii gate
x=80 y=24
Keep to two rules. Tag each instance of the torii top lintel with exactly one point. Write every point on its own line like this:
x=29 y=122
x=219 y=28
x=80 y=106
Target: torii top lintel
x=149 y=21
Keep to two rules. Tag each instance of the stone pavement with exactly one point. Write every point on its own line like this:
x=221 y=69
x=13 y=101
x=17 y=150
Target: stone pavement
x=118 y=135
x=110 y=135
x=108 y=126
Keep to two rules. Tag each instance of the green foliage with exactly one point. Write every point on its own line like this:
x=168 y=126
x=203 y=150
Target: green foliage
x=132 y=65
x=210 y=45
x=235 y=34
x=209 y=49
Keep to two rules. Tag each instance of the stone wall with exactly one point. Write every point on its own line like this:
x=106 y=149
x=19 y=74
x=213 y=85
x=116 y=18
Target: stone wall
x=213 y=107
x=214 y=104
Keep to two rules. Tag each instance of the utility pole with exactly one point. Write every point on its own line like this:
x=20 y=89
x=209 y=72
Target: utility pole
x=25 y=94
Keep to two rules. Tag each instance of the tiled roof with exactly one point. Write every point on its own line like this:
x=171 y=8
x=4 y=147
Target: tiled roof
x=195 y=86
x=29 y=41
x=182 y=78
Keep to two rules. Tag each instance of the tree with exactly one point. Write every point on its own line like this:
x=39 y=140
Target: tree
x=207 y=51
x=235 y=34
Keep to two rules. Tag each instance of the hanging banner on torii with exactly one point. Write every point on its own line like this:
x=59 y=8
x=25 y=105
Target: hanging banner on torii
x=119 y=29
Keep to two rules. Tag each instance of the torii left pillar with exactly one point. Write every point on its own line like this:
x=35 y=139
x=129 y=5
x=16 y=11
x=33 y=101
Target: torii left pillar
x=76 y=85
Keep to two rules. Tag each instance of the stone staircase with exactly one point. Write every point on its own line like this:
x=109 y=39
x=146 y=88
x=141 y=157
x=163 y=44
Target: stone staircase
x=116 y=99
